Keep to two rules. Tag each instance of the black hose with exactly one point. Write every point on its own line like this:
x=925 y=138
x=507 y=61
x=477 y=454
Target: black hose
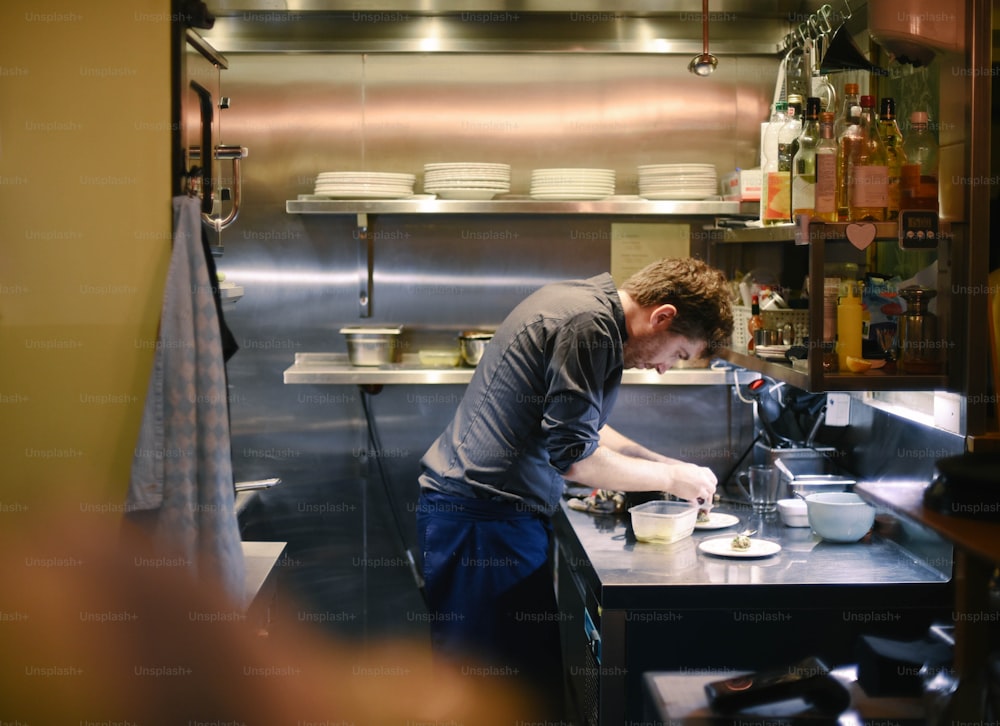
x=376 y=445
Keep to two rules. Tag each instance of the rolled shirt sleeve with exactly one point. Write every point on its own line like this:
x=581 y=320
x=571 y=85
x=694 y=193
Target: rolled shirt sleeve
x=537 y=400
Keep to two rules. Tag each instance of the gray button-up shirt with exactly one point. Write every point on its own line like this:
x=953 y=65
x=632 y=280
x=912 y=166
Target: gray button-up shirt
x=545 y=386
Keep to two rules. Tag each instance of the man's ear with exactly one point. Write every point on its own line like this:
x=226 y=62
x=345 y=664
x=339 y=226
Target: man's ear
x=662 y=316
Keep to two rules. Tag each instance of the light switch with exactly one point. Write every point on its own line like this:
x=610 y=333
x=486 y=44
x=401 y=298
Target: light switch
x=838 y=409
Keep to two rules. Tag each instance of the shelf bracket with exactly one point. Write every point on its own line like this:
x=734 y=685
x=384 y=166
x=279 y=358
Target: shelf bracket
x=365 y=271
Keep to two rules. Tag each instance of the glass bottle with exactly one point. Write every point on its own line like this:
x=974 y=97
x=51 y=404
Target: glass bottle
x=804 y=162
x=895 y=155
x=769 y=151
x=788 y=136
x=755 y=323
x=919 y=176
x=797 y=73
x=825 y=194
x=846 y=131
x=868 y=170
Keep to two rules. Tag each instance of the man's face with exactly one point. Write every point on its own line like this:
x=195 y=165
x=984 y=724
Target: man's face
x=660 y=351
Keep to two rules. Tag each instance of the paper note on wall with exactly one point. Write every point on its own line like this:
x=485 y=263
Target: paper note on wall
x=633 y=246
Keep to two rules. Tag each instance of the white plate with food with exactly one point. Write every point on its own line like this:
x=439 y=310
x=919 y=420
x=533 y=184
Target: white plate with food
x=724 y=547
x=716 y=520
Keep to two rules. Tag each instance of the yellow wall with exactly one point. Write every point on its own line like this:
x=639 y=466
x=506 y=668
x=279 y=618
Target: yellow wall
x=85 y=221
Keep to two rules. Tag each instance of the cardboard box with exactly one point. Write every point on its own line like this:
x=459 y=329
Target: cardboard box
x=742 y=185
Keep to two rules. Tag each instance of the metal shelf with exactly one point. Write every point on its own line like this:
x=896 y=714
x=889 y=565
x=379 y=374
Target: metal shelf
x=306 y=205
x=335 y=369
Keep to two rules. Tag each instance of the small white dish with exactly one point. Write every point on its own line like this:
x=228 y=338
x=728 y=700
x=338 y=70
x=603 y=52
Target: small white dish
x=793 y=512
x=717 y=520
x=723 y=547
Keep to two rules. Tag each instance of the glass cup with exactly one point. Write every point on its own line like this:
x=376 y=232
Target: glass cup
x=762 y=481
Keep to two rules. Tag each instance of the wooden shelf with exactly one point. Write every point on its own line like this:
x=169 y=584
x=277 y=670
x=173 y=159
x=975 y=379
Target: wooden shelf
x=874 y=380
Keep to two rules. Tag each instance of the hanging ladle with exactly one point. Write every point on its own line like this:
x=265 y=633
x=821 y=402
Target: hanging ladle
x=705 y=63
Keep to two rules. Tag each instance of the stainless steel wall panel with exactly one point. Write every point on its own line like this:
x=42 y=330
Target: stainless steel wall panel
x=301 y=114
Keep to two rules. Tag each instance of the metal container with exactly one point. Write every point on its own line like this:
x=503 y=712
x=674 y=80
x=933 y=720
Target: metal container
x=920 y=347
x=767 y=336
x=372 y=346
x=803 y=486
x=472 y=344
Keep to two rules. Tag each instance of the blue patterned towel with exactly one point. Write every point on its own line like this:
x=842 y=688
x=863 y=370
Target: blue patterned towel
x=182 y=467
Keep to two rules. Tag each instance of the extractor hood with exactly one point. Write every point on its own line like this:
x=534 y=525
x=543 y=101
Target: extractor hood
x=747 y=27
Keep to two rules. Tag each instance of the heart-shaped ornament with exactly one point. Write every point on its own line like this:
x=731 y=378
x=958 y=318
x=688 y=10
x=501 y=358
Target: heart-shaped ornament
x=861 y=234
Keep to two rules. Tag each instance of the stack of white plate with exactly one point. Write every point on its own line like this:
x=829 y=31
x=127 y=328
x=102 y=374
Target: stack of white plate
x=568 y=184
x=678 y=181
x=364 y=185
x=466 y=180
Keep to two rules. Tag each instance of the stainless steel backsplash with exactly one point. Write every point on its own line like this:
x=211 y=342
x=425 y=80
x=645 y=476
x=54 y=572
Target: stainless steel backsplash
x=300 y=114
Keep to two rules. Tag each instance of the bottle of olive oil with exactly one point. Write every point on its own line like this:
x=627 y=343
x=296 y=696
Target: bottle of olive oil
x=895 y=156
x=804 y=162
x=846 y=131
x=825 y=195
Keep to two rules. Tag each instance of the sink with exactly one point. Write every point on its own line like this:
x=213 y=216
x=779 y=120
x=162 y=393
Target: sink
x=804 y=470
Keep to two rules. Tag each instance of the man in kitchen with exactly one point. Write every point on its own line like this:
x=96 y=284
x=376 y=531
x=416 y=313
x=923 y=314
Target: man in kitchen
x=533 y=416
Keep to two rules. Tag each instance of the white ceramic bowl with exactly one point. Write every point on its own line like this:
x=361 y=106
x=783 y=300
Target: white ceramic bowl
x=794 y=512
x=840 y=516
x=663 y=521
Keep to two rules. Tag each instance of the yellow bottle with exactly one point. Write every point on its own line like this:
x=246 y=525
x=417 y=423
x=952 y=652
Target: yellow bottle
x=848 y=327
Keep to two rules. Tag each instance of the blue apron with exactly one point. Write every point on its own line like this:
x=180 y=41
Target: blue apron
x=489 y=586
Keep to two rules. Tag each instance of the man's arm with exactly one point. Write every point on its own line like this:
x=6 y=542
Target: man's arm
x=606 y=468
x=617 y=441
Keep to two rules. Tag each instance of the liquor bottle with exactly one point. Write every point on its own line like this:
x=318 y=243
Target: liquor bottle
x=779 y=209
x=769 y=150
x=846 y=131
x=919 y=177
x=868 y=170
x=804 y=162
x=755 y=323
x=895 y=156
x=825 y=198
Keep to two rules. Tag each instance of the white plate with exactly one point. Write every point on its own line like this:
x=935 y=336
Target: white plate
x=723 y=547
x=681 y=168
x=467 y=184
x=717 y=520
x=676 y=196
x=464 y=166
x=475 y=194
x=572 y=197
x=572 y=170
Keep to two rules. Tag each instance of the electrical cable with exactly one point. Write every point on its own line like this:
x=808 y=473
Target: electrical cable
x=376 y=445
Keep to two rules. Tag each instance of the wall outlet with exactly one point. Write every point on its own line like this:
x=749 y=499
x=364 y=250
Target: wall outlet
x=949 y=411
x=838 y=409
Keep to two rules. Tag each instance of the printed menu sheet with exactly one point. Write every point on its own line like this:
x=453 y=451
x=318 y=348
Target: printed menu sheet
x=633 y=246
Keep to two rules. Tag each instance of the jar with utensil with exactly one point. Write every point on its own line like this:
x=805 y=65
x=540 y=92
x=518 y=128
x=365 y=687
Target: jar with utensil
x=920 y=347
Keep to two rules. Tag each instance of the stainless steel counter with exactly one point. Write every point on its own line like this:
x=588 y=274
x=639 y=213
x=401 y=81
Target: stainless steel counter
x=335 y=369
x=628 y=573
